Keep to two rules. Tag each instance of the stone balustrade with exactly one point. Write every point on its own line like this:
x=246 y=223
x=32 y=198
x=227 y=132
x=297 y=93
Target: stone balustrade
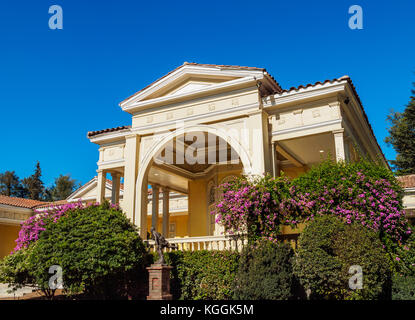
x=205 y=243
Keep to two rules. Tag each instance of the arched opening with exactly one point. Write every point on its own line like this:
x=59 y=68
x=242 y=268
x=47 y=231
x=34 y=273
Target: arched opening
x=178 y=179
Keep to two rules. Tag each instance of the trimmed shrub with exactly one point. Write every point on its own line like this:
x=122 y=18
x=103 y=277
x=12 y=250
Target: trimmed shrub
x=327 y=250
x=97 y=247
x=14 y=270
x=403 y=287
x=207 y=275
x=265 y=272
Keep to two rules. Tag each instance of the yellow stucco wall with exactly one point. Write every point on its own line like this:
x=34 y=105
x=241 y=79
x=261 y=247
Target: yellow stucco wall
x=180 y=221
x=197 y=223
x=198 y=213
x=8 y=235
x=294 y=172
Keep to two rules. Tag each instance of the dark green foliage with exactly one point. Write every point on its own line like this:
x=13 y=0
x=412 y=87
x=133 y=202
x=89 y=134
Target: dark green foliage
x=403 y=287
x=265 y=273
x=14 y=270
x=328 y=174
x=10 y=184
x=99 y=250
x=328 y=248
x=207 y=275
x=63 y=187
x=402 y=138
x=315 y=265
x=34 y=185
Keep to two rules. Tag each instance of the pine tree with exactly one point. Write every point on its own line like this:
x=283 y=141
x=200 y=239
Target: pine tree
x=63 y=187
x=10 y=184
x=34 y=184
x=402 y=137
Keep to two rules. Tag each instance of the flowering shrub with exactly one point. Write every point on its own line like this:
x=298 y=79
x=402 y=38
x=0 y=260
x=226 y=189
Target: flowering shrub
x=99 y=250
x=255 y=207
x=362 y=192
x=32 y=227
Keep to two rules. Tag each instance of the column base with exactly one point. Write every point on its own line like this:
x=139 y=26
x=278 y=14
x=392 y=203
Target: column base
x=159 y=282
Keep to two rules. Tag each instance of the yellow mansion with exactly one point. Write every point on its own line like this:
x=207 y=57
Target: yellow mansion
x=199 y=126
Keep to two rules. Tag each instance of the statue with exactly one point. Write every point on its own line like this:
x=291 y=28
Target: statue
x=160 y=243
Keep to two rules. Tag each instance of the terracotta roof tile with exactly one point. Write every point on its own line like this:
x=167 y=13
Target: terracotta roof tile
x=407 y=181
x=20 y=202
x=94 y=133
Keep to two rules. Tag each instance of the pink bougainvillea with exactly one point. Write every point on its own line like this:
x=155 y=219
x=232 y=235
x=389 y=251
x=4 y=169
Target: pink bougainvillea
x=32 y=227
x=259 y=207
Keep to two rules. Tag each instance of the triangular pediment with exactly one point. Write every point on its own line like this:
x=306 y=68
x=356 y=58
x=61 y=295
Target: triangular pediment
x=187 y=84
x=89 y=191
x=190 y=79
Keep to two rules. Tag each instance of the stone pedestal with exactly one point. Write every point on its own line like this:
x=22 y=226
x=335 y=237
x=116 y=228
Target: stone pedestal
x=159 y=282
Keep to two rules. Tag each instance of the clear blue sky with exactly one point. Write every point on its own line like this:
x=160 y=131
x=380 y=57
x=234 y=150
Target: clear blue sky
x=55 y=85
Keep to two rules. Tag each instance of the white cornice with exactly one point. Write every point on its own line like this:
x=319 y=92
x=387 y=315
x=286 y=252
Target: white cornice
x=16 y=208
x=228 y=85
x=110 y=136
x=316 y=91
x=311 y=126
x=196 y=117
x=110 y=162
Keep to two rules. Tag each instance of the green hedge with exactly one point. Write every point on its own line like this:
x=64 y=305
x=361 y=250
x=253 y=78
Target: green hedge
x=207 y=275
x=265 y=272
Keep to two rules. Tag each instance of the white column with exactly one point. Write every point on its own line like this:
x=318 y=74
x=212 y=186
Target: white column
x=115 y=195
x=166 y=211
x=339 y=145
x=275 y=161
x=257 y=125
x=132 y=146
x=101 y=186
x=142 y=209
x=155 y=206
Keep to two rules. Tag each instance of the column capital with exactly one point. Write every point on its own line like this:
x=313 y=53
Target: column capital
x=155 y=186
x=338 y=131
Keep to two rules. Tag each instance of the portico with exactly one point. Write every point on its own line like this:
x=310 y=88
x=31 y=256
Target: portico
x=202 y=125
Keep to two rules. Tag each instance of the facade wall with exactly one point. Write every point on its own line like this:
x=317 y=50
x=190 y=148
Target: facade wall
x=8 y=235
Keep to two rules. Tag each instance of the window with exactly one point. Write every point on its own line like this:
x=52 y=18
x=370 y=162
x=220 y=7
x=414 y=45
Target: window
x=172 y=230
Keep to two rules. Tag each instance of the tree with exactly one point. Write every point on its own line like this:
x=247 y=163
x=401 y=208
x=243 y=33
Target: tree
x=34 y=185
x=63 y=187
x=9 y=184
x=99 y=250
x=402 y=138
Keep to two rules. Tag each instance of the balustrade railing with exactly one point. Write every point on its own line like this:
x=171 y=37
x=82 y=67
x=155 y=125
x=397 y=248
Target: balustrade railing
x=205 y=243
